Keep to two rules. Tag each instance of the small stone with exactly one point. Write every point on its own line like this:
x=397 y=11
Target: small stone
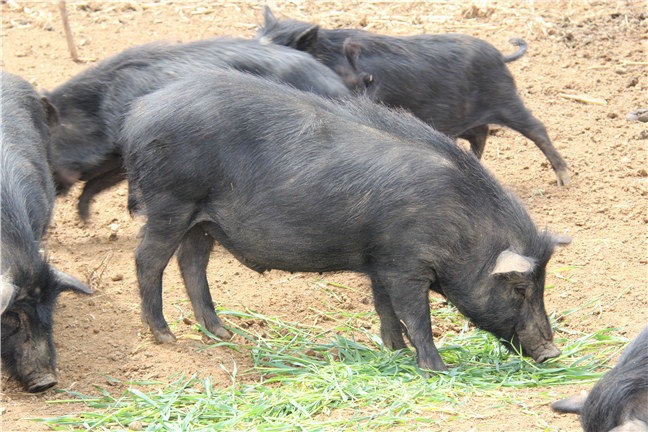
x=117 y=277
x=632 y=82
x=136 y=425
x=638 y=115
x=612 y=115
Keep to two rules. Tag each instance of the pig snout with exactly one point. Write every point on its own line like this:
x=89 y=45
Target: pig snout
x=545 y=353
x=41 y=383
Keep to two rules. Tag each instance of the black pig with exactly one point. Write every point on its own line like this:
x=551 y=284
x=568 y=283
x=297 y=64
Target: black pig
x=619 y=401
x=456 y=83
x=91 y=104
x=288 y=180
x=28 y=285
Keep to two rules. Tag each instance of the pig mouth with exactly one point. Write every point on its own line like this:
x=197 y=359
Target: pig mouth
x=540 y=352
x=547 y=352
x=41 y=383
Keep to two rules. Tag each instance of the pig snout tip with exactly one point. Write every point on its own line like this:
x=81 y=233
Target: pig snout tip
x=549 y=353
x=42 y=383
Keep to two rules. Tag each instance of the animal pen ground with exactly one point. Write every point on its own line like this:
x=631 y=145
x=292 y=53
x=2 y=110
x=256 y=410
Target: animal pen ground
x=595 y=50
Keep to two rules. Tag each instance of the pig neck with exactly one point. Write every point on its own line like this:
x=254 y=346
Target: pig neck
x=24 y=263
x=25 y=216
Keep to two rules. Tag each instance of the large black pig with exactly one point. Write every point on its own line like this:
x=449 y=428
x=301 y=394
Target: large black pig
x=28 y=285
x=457 y=83
x=288 y=180
x=619 y=401
x=91 y=105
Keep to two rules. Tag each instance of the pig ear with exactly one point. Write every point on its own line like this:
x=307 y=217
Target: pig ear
x=7 y=293
x=559 y=239
x=571 y=405
x=509 y=261
x=66 y=282
x=351 y=51
x=52 y=114
x=269 y=17
x=307 y=39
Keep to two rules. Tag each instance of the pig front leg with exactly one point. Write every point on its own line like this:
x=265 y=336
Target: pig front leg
x=409 y=299
x=477 y=138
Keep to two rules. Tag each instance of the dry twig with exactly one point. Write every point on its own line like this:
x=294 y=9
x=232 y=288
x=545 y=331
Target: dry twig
x=584 y=98
x=68 y=31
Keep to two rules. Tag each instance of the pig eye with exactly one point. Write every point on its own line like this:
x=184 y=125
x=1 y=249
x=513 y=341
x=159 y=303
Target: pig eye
x=10 y=323
x=519 y=289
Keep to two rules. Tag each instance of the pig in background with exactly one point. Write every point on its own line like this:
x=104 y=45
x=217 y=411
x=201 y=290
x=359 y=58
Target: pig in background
x=619 y=401
x=28 y=285
x=91 y=105
x=288 y=180
x=457 y=83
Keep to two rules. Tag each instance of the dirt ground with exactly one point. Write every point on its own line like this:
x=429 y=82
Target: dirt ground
x=594 y=48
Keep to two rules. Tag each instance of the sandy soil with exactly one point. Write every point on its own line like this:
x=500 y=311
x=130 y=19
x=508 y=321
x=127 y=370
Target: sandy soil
x=574 y=47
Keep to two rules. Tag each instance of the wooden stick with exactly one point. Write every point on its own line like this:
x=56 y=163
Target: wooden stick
x=584 y=98
x=68 y=31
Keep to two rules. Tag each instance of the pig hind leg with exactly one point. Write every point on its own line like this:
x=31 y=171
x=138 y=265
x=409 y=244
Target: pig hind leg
x=477 y=138
x=410 y=302
x=517 y=117
x=96 y=185
x=193 y=256
x=161 y=236
x=391 y=329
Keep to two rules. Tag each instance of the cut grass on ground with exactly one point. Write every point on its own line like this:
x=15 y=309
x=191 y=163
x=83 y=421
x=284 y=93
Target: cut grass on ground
x=315 y=379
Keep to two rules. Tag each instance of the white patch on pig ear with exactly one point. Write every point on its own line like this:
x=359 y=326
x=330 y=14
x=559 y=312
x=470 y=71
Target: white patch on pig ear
x=509 y=261
x=67 y=282
x=7 y=292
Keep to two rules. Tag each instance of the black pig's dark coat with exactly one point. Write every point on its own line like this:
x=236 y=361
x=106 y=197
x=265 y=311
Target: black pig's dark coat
x=619 y=401
x=456 y=83
x=91 y=105
x=288 y=180
x=29 y=287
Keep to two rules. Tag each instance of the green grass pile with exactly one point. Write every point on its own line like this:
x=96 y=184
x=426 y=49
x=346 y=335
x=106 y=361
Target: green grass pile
x=342 y=378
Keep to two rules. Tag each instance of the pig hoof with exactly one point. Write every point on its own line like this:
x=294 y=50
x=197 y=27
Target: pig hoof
x=163 y=336
x=218 y=330
x=563 y=177
x=394 y=344
x=42 y=383
x=221 y=333
x=431 y=369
